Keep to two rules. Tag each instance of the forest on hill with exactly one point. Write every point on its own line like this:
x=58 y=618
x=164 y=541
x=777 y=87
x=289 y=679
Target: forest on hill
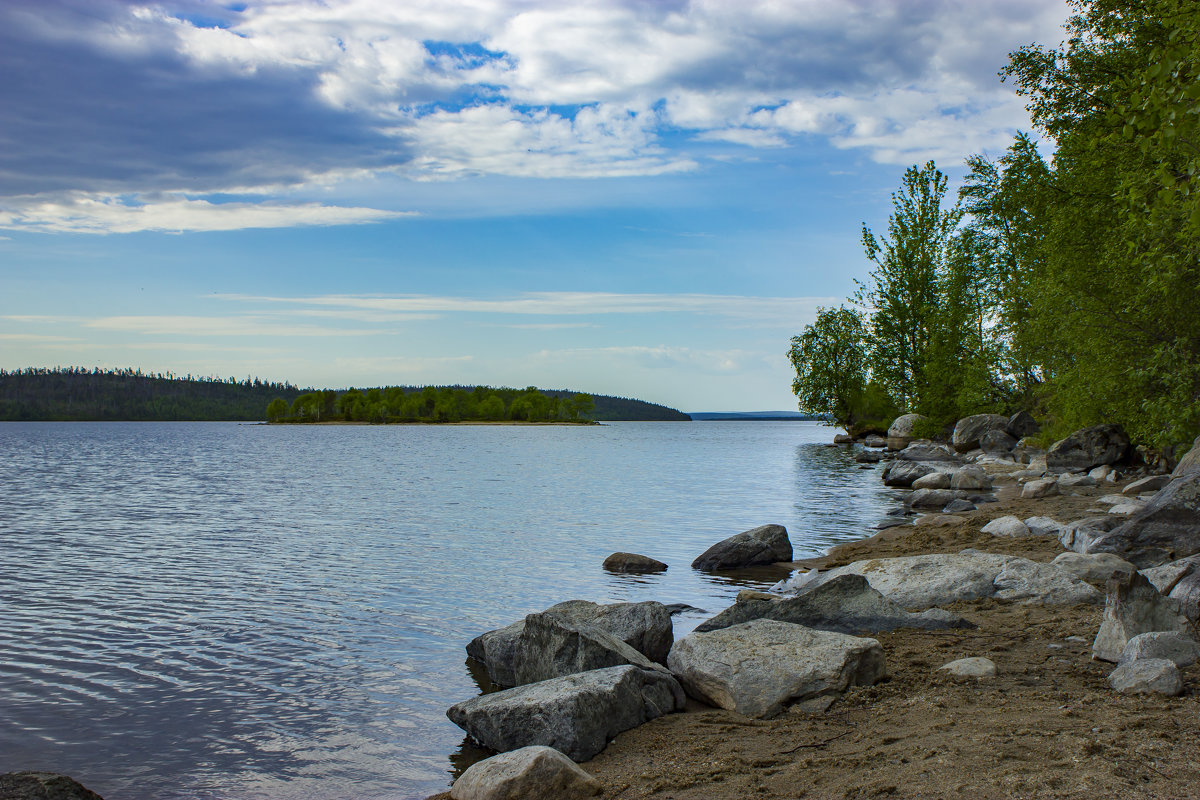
x=1064 y=282
x=82 y=394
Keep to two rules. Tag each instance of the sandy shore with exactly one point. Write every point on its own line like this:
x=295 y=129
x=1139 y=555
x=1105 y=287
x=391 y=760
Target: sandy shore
x=1047 y=725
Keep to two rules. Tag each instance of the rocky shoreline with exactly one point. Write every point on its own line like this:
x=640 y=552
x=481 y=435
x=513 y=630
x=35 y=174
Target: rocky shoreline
x=1025 y=625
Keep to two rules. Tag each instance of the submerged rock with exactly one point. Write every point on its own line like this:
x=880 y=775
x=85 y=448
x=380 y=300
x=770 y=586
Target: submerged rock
x=43 y=786
x=758 y=667
x=530 y=773
x=766 y=544
x=576 y=714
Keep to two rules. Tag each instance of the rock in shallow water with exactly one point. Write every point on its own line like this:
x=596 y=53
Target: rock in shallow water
x=632 y=562
x=576 y=714
x=765 y=544
x=758 y=667
x=531 y=773
x=43 y=786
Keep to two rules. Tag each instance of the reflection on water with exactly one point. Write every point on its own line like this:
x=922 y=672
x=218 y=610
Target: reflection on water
x=229 y=611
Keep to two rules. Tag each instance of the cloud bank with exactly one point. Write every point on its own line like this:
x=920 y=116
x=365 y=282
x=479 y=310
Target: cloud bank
x=122 y=104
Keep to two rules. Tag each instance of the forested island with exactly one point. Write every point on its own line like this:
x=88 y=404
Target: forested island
x=1064 y=277
x=82 y=394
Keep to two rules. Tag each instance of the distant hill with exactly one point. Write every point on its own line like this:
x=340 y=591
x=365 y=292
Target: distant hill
x=80 y=394
x=749 y=416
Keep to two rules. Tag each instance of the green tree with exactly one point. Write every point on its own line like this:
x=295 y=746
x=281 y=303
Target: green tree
x=831 y=361
x=277 y=409
x=902 y=296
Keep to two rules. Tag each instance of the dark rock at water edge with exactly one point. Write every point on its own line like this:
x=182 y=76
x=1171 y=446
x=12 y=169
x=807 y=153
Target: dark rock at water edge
x=551 y=646
x=845 y=604
x=576 y=715
x=632 y=562
x=766 y=544
x=529 y=773
x=43 y=786
x=1088 y=448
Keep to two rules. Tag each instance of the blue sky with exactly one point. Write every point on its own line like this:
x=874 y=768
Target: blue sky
x=620 y=196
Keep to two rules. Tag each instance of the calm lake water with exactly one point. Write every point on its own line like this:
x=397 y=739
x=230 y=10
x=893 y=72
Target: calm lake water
x=215 y=610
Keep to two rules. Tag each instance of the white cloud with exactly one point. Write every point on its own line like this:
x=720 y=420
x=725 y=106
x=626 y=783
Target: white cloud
x=525 y=88
x=661 y=357
x=790 y=311
x=216 y=326
x=34 y=338
x=99 y=214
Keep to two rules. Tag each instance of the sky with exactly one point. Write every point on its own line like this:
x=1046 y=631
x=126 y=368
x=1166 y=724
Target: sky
x=645 y=198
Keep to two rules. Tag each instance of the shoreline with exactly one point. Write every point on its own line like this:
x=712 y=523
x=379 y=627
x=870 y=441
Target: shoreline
x=1047 y=725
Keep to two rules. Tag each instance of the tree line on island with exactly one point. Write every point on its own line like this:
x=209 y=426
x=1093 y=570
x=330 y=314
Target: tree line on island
x=96 y=394
x=1067 y=286
x=434 y=404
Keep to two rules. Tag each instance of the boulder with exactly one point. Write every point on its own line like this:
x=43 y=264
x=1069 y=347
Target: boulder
x=868 y=456
x=874 y=440
x=551 y=646
x=1087 y=448
x=1151 y=483
x=843 y=438
x=1147 y=676
x=933 y=498
x=997 y=443
x=904 y=473
x=1126 y=509
x=1022 y=580
x=976 y=667
x=1043 y=526
x=926 y=451
x=758 y=667
x=1027 y=451
x=969 y=430
x=1093 y=568
x=1190 y=461
x=530 y=773
x=43 y=786
x=1022 y=424
x=1180 y=650
x=970 y=478
x=1187 y=593
x=938 y=520
x=934 y=480
x=576 y=714
x=845 y=604
x=1133 y=606
x=645 y=626
x=1101 y=472
x=1076 y=481
x=1006 y=526
x=901 y=431
x=1168 y=528
x=632 y=562
x=1165 y=577
x=1082 y=534
x=1043 y=487
x=939 y=579
x=765 y=544
x=959 y=505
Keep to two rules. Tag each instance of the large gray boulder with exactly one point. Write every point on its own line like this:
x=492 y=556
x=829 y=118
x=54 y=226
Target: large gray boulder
x=530 y=773
x=846 y=604
x=576 y=714
x=550 y=646
x=1006 y=526
x=997 y=443
x=1180 y=649
x=971 y=478
x=933 y=498
x=758 y=667
x=969 y=430
x=934 y=480
x=1147 y=676
x=1150 y=483
x=939 y=579
x=1042 y=487
x=1081 y=535
x=926 y=451
x=1093 y=568
x=1165 y=577
x=43 y=786
x=1022 y=424
x=644 y=626
x=765 y=544
x=1166 y=529
x=900 y=433
x=1133 y=606
x=1087 y=448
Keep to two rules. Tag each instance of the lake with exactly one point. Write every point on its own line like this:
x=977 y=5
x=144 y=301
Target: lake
x=221 y=610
